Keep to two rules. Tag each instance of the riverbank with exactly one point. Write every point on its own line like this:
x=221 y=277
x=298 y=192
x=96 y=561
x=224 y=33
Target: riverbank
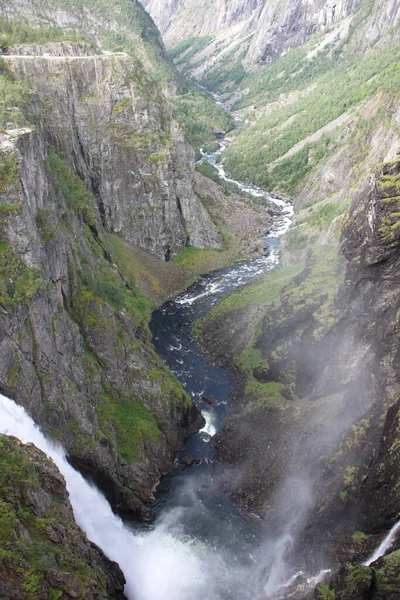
x=243 y=224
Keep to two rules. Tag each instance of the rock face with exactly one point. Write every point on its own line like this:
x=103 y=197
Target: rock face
x=288 y=24
x=44 y=554
x=181 y=19
x=275 y=26
x=75 y=345
x=121 y=141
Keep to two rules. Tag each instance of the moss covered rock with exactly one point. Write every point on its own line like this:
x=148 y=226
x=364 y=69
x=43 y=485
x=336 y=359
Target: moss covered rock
x=44 y=555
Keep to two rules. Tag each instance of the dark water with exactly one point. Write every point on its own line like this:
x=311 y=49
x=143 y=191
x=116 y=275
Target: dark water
x=208 y=514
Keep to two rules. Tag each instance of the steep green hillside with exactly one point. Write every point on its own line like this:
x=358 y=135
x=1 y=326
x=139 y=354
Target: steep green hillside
x=299 y=106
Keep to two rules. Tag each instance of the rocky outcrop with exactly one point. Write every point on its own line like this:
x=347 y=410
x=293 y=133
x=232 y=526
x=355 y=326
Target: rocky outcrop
x=181 y=19
x=44 y=554
x=121 y=141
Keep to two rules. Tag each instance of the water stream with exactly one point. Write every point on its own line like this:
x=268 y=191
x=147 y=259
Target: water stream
x=385 y=545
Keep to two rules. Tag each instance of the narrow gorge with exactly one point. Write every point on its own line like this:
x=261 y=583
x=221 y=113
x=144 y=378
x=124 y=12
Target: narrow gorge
x=199 y=300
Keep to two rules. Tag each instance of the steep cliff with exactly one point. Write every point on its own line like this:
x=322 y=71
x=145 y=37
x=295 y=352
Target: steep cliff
x=75 y=344
x=44 y=554
x=241 y=36
x=115 y=128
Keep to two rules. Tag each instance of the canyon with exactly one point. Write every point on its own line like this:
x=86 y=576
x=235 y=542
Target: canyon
x=279 y=390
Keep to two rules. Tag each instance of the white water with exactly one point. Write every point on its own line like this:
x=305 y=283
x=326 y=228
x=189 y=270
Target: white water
x=239 y=276
x=161 y=564
x=283 y=224
x=385 y=545
x=158 y=565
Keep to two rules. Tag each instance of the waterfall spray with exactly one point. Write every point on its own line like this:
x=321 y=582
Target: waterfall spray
x=160 y=564
x=92 y=511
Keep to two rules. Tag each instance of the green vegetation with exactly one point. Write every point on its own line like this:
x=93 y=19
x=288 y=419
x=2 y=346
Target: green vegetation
x=9 y=175
x=322 y=216
x=389 y=186
x=100 y=282
x=188 y=256
x=349 y=476
x=317 y=291
x=228 y=72
x=183 y=52
x=258 y=393
x=129 y=14
x=359 y=537
x=71 y=187
x=21 y=32
x=388 y=575
x=296 y=240
x=18 y=283
x=266 y=290
x=323 y=592
x=200 y=117
x=358 y=580
x=45 y=225
x=30 y=516
x=340 y=83
x=228 y=187
x=13 y=96
x=357 y=436
x=134 y=425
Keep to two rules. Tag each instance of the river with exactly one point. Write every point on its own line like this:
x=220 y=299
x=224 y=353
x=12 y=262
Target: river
x=201 y=546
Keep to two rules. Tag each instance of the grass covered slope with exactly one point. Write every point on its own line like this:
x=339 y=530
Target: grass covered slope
x=299 y=105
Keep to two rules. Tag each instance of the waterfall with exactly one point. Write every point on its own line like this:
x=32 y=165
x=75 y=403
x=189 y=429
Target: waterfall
x=157 y=565
x=384 y=545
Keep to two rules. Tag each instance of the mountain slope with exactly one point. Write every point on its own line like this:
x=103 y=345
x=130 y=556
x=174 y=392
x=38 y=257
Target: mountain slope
x=240 y=36
x=91 y=161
